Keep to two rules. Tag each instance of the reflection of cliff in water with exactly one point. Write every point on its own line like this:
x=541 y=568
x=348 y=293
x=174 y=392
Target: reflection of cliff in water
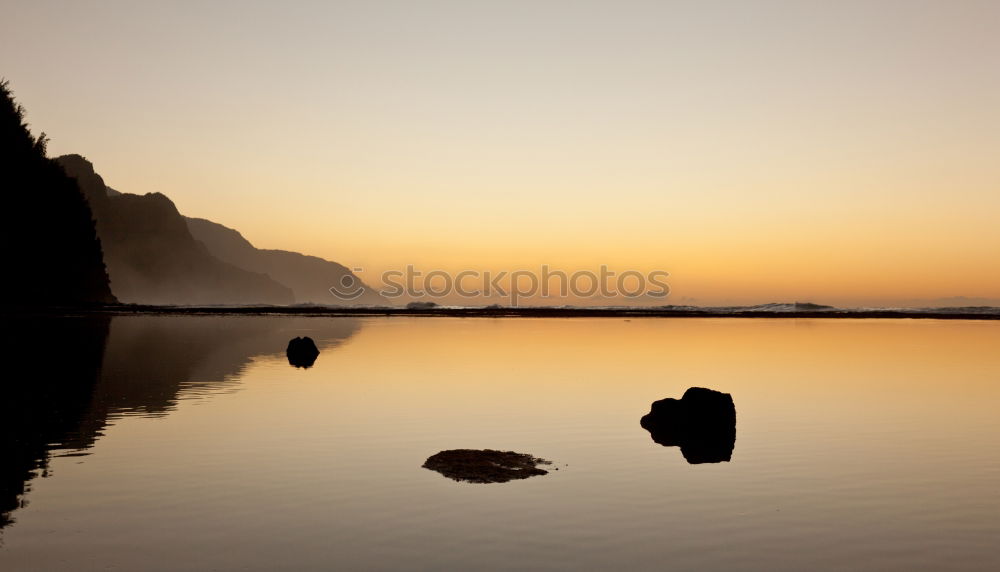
x=46 y=396
x=151 y=361
x=76 y=374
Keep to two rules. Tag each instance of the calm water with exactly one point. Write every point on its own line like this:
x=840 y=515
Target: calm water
x=189 y=443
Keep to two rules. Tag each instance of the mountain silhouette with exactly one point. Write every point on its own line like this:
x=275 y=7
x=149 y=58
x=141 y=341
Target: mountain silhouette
x=309 y=277
x=51 y=252
x=157 y=256
x=153 y=259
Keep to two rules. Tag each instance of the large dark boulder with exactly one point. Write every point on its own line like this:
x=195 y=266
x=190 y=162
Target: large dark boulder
x=702 y=423
x=302 y=352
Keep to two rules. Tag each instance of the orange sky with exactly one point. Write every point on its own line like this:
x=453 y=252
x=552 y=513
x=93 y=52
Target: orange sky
x=842 y=153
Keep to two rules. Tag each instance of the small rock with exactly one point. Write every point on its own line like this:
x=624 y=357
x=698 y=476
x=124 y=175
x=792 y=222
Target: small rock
x=302 y=352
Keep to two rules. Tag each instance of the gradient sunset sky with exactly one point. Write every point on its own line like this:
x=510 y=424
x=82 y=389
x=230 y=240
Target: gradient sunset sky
x=837 y=152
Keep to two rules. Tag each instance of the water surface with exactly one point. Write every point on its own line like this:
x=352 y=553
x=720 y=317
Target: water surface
x=190 y=443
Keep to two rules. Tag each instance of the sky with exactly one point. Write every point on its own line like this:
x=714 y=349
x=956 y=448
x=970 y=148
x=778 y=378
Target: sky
x=836 y=152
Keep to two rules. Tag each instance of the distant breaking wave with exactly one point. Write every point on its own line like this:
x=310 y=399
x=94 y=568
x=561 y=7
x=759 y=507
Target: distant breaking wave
x=769 y=308
x=809 y=307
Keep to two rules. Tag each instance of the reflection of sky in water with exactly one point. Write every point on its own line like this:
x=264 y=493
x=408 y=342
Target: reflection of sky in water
x=862 y=444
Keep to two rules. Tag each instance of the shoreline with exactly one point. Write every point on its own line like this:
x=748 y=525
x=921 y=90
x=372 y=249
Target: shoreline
x=335 y=311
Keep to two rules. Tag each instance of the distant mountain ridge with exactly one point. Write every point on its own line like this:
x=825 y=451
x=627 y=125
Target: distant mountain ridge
x=155 y=255
x=309 y=277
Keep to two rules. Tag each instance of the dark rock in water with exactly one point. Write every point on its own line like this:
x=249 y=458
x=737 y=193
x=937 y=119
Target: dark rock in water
x=302 y=352
x=421 y=305
x=485 y=466
x=702 y=423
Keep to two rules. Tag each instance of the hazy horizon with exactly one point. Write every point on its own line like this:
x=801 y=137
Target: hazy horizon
x=842 y=154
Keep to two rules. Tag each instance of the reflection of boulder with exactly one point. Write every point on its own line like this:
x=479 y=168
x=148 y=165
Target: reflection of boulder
x=702 y=423
x=485 y=466
x=302 y=352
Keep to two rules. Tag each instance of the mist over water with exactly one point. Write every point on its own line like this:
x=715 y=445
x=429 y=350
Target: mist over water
x=191 y=443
